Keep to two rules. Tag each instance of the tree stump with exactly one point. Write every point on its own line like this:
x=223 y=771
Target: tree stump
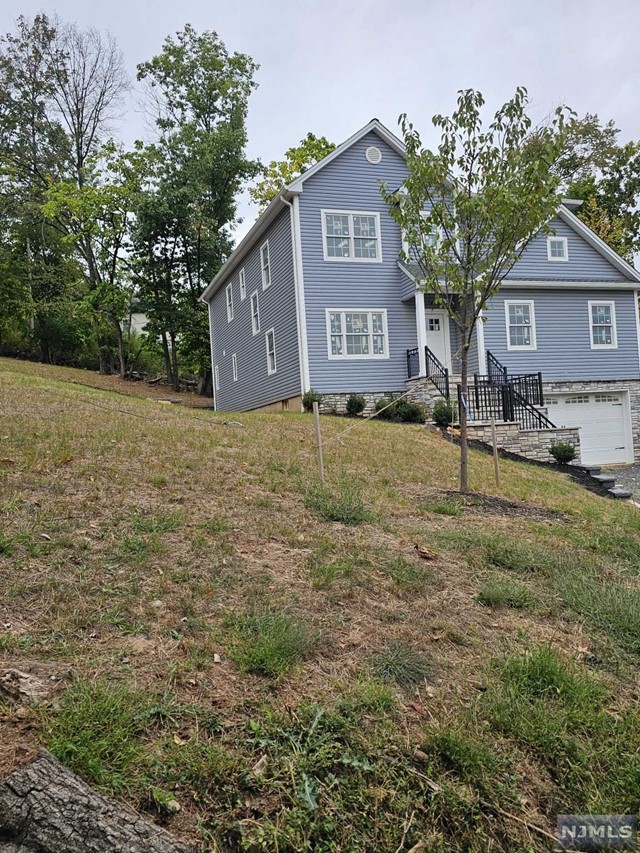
x=45 y=808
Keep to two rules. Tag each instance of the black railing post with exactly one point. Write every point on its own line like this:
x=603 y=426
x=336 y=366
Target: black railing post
x=540 y=389
x=475 y=390
x=446 y=382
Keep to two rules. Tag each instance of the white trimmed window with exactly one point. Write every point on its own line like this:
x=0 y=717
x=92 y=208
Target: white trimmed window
x=356 y=333
x=557 y=249
x=270 y=339
x=265 y=265
x=234 y=366
x=243 y=285
x=351 y=236
x=602 y=319
x=216 y=377
x=521 y=325
x=255 y=313
x=229 y=303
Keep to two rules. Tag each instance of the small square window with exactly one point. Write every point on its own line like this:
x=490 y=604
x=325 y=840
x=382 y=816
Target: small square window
x=557 y=249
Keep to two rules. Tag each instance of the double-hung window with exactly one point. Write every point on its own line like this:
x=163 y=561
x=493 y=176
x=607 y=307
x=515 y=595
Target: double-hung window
x=521 y=325
x=351 y=236
x=255 y=313
x=557 y=249
x=602 y=320
x=265 y=265
x=243 y=285
x=270 y=339
x=357 y=333
x=229 y=303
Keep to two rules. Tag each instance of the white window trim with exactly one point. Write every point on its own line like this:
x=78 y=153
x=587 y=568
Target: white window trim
x=344 y=356
x=437 y=231
x=243 y=284
x=234 y=366
x=265 y=284
x=256 y=331
x=271 y=332
x=351 y=259
x=534 y=337
x=566 y=249
x=229 y=300
x=216 y=377
x=614 y=328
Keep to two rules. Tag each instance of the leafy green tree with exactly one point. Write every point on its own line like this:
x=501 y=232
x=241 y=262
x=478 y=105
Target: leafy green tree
x=279 y=173
x=199 y=93
x=97 y=218
x=483 y=198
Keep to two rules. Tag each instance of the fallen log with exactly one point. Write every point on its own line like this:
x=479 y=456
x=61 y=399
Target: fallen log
x=45 y=808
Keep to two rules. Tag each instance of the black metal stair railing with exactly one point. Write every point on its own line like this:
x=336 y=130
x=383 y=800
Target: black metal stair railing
x=437 y=373
x=502 y=401
x=528 y=385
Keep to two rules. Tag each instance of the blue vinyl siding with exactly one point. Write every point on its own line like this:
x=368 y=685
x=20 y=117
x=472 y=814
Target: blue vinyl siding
x=584 y=264
x=563 y=335
x=351 y=183
x=277 y=305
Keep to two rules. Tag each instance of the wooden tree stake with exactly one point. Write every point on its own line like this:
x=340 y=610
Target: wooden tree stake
x=316 y=422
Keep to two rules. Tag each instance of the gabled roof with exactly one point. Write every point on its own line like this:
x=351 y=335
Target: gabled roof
x=565 y=213
x=294 y=188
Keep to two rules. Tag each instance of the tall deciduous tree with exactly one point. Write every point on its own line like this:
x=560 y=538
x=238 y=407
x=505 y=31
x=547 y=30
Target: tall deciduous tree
x=199 y=94
x=296 y=160
x=485 y=198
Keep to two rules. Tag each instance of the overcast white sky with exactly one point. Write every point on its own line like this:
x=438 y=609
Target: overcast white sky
x=329 y=66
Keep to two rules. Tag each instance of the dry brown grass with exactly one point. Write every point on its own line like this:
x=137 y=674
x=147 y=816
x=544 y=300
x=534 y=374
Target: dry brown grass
x=135 y=531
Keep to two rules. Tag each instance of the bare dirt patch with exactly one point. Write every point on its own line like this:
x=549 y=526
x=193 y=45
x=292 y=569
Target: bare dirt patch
x=496 y=505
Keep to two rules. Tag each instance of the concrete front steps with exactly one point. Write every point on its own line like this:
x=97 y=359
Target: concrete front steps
x=609 y=482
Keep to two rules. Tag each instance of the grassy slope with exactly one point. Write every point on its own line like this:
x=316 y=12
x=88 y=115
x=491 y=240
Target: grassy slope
x=363 y=698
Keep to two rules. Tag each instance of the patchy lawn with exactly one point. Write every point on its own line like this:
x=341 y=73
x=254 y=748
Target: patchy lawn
x=261 y=664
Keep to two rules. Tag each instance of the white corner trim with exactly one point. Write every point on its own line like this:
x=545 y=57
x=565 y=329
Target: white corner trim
x=213 y=378
x=614 y=326
x=565 y=241
x=636 y=297
x=598 y=244
x=421 y=330
x=298 y=277
x=534 y=337
x=482 y=352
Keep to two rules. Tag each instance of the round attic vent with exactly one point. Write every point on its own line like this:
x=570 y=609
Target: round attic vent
x=373 y=155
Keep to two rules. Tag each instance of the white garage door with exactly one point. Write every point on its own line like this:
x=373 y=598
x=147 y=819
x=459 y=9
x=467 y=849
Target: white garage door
x=603 y=418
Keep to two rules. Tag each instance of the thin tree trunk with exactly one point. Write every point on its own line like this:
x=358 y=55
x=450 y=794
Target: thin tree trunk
x=174 y=362
x=167 y=358
x=121 y=353
x=464 y=397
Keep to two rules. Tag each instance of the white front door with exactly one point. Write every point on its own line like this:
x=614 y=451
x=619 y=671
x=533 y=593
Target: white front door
x=437 y=324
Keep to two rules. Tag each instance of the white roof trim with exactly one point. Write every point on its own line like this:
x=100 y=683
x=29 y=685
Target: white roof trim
x=374 y=126
x=564 y=284
x=294 y=188
x=247 y=242
x=599 y=245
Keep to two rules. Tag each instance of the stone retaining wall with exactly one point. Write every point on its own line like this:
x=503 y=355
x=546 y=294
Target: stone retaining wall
x=530 y=443
x=338 y=402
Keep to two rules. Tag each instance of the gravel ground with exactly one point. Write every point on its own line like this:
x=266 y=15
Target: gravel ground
x=629 y=477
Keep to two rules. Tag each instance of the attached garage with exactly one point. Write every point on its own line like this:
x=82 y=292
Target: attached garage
x=604 y=418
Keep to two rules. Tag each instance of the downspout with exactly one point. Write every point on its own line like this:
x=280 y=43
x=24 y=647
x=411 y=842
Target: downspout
x=301 y=321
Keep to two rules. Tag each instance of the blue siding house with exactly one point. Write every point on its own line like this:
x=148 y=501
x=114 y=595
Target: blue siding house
x=315 y=297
